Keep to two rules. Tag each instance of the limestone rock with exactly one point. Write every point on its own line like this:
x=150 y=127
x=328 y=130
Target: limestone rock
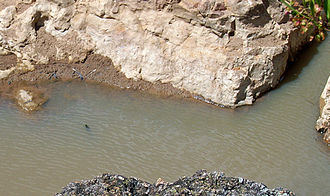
x=228 y=52
x=6 y=73
x=323 y=123
x=29 y=100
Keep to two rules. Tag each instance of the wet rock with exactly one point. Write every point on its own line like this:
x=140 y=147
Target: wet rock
x=323 y=123
x=229 y=52
x=30 y=99
x=201 y=183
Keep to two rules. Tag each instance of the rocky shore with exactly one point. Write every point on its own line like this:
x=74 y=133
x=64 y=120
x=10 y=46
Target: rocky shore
x=201 y=183
x=224 y=52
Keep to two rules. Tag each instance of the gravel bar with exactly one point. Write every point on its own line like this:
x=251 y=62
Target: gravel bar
x=201 y=183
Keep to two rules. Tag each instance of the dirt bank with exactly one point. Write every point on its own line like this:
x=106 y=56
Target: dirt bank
x=95 y=69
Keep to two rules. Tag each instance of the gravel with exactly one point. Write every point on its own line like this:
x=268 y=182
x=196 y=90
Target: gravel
x=201 y=183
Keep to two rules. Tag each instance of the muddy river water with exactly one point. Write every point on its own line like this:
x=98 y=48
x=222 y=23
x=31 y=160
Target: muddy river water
x=145 y=136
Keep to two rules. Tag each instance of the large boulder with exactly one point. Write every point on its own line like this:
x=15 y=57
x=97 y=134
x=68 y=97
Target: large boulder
x=227 y=52
x=323 y=123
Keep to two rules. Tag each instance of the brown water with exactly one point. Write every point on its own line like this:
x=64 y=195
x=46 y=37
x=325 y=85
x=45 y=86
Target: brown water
x=132 y=134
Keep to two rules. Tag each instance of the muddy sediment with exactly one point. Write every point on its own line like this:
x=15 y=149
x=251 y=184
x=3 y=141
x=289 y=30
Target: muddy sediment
x=95 y=69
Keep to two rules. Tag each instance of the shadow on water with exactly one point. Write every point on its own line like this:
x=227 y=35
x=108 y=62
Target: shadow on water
x=302 y=59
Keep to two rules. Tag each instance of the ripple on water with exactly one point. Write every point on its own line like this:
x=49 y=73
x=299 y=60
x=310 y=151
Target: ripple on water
x=149 y=137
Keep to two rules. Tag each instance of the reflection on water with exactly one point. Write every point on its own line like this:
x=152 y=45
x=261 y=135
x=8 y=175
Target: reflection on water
x=273 y=142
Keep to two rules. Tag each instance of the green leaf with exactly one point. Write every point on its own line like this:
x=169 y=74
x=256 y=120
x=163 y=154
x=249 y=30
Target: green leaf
x=318 y=2
x=327 y=9
x=304 y=3
x=312 y=7
x=289 y=6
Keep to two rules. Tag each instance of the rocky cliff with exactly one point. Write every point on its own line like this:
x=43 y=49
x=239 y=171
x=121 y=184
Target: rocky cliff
x=227 y=52
x=323 y=123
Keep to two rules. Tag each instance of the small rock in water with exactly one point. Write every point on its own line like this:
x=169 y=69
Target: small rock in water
x=30 y=100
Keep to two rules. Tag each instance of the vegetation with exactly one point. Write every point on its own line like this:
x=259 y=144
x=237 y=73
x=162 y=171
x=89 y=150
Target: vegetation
x=309 y=14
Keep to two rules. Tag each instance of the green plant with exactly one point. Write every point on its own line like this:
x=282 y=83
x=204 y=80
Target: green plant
x=308 y=14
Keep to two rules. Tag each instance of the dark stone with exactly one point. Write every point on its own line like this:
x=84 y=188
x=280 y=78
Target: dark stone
x=201 y=183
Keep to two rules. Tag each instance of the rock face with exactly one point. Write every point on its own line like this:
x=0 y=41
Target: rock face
x=227 y=52
x=201 y=183
x=323 y=123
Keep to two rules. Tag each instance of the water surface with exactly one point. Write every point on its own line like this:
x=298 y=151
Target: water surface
x=139 y=135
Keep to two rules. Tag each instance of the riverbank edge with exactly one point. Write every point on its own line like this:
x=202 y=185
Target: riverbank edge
x=200 y=183
x=96 y=69
x=236 y=51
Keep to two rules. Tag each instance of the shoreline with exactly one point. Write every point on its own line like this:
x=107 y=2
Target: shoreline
x=96 y=69
x=223 y=54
